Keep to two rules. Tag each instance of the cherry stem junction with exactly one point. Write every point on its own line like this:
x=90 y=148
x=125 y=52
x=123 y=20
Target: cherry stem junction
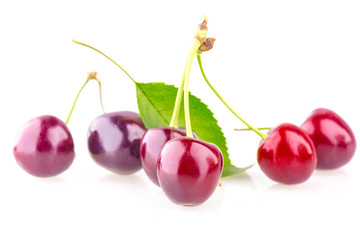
x=256 y=130
x=91 y=76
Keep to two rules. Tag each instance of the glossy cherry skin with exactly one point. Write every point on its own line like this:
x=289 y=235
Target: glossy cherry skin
x=288 y=155
x=333 y=138
x=114 y=141
x=151 y=145
x=44 y=147
x=189 y=170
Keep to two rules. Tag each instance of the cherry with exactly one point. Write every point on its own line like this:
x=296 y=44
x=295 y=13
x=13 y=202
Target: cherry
x=288 y=155
x=44 y=147
x=333 y=138
x=189 y=170
x=114 y=140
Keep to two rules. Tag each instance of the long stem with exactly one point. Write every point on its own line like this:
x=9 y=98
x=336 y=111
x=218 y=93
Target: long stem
x=174 y=122
x=261 y=134
x=91 y=76
x=190 y=60
x=86 y=45
x=200 y=37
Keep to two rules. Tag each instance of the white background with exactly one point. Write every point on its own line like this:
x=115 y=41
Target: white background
x=273 y=61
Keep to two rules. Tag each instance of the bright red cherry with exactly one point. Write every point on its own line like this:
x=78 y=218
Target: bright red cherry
x=333 y=138
x=44 y=147
x=288 y=155
x=189 y=170
x=114 y=141
x=151 y=145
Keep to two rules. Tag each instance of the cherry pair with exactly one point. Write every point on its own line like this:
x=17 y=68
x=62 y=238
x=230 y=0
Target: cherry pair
x=44 y=146
x=187 y=169
x=290 y=153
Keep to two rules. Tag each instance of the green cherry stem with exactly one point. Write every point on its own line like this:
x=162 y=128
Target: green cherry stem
x=86 y=45
x=200 y=37
x=91 y=76
x=174 y=122
x=190 y=60
x=256 y=130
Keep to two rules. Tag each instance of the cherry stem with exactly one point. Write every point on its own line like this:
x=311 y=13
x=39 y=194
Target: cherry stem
x=248 y=129
x=86 y=45
x=91 y=76
x=174 y=122
x=200 y=38
x=189 y=62
x=256 y=130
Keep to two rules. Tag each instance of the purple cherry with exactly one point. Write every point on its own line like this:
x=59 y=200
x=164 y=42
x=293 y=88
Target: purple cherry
x=114 y=141
x=44 y=147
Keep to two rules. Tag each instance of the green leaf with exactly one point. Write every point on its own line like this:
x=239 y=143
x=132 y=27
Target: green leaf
x=156 y=103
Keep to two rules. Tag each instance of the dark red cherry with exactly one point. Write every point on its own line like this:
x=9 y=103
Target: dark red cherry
x=288 y=155
x=114 y=141
x=333 y=138
x=189 y=170
x=44 y=147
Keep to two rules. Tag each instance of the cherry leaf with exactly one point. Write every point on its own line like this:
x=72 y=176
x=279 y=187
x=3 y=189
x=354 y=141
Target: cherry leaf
x=156 y=104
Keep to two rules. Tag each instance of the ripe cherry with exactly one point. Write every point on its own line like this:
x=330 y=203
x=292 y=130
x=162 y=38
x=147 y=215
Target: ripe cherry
x=189 y=170
x=288 y=155
x=114 y=140
x=44 y=147
x=333 y=138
